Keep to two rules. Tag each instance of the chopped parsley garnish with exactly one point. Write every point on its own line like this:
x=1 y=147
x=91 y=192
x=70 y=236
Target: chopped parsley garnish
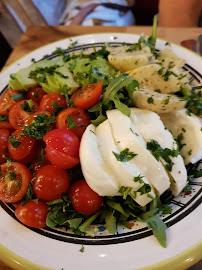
x=179 y=140
x=39 y=127
x=124 y=191
x=157 y=90
x=166 y=74
x=167 y=100
x=57 y=108
x=138 y=179
x=71 y=123
x=124 y=155
x=194 y=102
x=81 y=249
x=29 y=195
x=27 y=106
x=167 y=44
x=13 y=141
x=144 y=189
x=158 y=152
x=12 y=175
x=150 y=100
x=39 y=74
x=189 y=152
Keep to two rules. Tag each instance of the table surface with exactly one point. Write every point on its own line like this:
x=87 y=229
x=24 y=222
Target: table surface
x=37 y=36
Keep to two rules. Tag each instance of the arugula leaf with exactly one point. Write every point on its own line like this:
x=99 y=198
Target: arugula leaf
x=111 y=94
x=159 y=229
x=74 y=223
x=86 y=224
x=117 y=207
x=17 y=97
x=110 y=222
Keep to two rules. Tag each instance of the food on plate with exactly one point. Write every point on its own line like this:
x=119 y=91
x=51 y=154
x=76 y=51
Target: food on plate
x=100 y=137
x=186 y=130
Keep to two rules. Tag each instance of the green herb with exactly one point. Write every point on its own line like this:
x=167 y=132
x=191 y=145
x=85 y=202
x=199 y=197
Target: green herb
x=12 y=175
x=194 y=102
x=158 y=90
x=27 y=106
x=189 y=152
x=160 y=71
x=68 y=101
x=61 y=75
x=167 y=100
x=3 y=117
x=29 y=195
x=81 y=249
x=158 y=151
x=14 y=142
x=57 y=108
x=179 y=140
x=150 y=100
x=36 y=95
x=17 y=97
x=39 y=74
x=71 y=123
x=159 y=229
x=187 y=188
x=144 y=189
x=103 y=52
x=183 y=130
x=33 y=60
x=92 y=131
x=138 y=179
x=40 y=159
x=124 y=191
x=39 y=127
x=124 y=155
x=181 y=76
x=167 y=44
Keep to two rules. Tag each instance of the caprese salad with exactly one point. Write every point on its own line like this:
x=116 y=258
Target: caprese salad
x=101 y=137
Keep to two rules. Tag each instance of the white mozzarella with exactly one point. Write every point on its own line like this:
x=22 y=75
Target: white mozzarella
x=190 y=127
x=94 y=169
x=123 y=171
x=151 y=127
x=125 y=132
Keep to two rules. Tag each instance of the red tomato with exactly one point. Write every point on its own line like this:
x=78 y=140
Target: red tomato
x=36 y=94
x=20 y=112
x=6 y=125
x=72 y=117
x=33 y=213
x=87 y=96
x=36 y=165
x=7 y=102
x=47 y=100
x=20 y=147
x=50 y=183
x=84 y=199
x=62 y=148
x=14 y=180
x=4 y=135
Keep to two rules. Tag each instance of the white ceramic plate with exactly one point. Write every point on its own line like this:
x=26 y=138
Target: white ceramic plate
x=129 y=249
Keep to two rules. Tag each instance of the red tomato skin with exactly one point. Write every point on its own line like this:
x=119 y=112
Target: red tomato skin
x=84 y=199
x=35 y=166
x=50 y=183
x=4 y=135
x=36 y=94
x=62 y=148
x=23 y=175
x=81 y=118
x=47 y=100
x=32 y=214
x=17 y=116
x=23 y=149
x=87 y=96
x=6 y=125
x=7 y=102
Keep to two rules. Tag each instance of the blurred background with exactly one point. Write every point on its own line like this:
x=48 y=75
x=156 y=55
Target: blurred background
x=17 y=15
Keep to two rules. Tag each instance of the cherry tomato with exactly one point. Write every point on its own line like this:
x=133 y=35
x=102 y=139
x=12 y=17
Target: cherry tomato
x=84 y=199
x=75 y=119
x=39 y=163
x=47 y=100
x=4 y=135
x=7 y=101
x=87 y=96
x=6 y=125
x=36 y=94
x=32 y=214
x=21 y=111
x=62 y=148
x=50 y=183
x=20 y=147
x=14 y=180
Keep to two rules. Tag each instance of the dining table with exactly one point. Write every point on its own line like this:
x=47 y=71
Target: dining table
x=36 y=36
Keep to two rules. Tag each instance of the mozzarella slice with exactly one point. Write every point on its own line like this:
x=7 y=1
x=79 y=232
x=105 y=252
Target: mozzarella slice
x=123 y=171
x=189 y=129
x=151 y=127
x=94 y=168
x=128 y=136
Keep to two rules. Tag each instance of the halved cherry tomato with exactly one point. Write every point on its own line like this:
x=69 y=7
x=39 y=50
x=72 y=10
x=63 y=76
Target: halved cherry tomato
x=14 y=180
x=7 y=101
x=75 y=119
x=21 y=111
x=36 y=164
x=50 y=182
x=47 y=100
x=33 y=213
x=20 y=147
x=4 y=135
x=87 y=96
x=36 y=94
x=6 y=125
x=84 y=199
x=62 y=148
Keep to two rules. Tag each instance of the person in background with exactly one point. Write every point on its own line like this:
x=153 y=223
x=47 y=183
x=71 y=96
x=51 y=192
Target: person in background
x=180 y=13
